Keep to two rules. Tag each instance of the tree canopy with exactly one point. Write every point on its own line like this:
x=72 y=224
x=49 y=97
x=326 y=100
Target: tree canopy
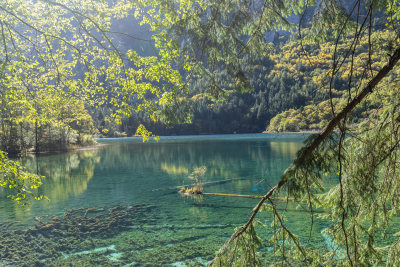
x=68 y=50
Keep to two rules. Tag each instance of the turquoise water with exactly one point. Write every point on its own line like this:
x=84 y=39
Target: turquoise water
x=154 y=227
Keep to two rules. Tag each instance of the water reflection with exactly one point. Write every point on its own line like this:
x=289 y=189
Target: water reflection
x=284 y=149
x=224 y=160
x=173 y=169
x=67 y=175
x=127 y=172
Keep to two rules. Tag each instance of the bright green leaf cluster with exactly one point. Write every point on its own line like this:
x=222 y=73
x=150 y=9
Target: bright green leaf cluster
x=17 y=181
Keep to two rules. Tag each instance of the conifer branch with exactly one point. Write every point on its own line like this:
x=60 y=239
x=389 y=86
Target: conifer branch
x=307 y=151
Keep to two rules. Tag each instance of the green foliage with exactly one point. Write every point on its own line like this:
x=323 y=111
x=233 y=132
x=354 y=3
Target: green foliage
x=243 y=252
x=51 y=53
x=50 y=121
x=282 y=80
x=359 y=210
x=63 y=49
x=311 y=117
x=317 y=68
x=142 y=131
x=17 y=181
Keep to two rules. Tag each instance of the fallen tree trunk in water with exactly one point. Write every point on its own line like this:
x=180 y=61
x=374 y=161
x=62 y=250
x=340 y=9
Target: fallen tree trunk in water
x=248 y=196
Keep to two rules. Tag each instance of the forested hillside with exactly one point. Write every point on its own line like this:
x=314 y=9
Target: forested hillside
x=328 y=94
x=289 y=91
x=288 y=88
x=221 y=66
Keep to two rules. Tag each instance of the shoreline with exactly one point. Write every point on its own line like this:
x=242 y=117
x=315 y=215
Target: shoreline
x=299 y=132
x=264 y=132
x=206 y=134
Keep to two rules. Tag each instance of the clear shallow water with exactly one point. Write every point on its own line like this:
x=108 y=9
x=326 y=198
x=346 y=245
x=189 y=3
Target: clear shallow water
x=166 y=228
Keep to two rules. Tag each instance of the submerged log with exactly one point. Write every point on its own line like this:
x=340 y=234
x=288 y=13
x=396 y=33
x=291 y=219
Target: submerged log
x=94 y=209
x=248 y=196
x=11 y=223
x=197 y=191
x=4 y=223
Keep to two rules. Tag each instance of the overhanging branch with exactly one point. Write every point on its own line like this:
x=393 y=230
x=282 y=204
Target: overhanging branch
x=317 y=141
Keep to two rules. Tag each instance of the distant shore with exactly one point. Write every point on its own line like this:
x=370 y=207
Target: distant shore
x=299 y=132
x=205 y=134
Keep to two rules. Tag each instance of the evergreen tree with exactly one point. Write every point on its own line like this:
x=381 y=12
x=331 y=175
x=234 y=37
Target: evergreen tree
x=217 y=43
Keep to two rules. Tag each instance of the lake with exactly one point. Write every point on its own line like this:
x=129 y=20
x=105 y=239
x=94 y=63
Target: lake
x=115 y=205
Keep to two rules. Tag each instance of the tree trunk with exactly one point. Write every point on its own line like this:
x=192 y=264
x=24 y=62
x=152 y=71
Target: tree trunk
x=36 y=138
x=334 y=122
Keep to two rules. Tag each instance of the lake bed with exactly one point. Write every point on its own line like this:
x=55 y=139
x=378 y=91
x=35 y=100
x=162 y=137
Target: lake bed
x=115 y=205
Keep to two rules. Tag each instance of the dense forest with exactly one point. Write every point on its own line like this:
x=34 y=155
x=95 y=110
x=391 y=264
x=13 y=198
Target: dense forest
x=288 y=92
x=68 y=73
